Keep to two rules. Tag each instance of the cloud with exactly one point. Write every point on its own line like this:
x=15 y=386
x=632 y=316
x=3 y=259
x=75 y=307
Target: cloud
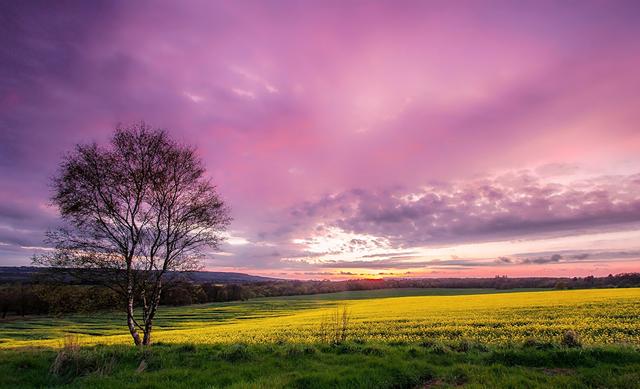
x=513 y=205
x=573 y=256
x=402 y=263
x=502 y=260
x=555 y=258
x=193 y=97
x=244 y=93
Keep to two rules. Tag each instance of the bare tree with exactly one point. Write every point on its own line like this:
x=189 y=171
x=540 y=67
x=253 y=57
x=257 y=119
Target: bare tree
x=135 y=211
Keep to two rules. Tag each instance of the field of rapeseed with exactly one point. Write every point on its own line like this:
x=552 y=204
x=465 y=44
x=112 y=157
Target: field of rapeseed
x=599 y=316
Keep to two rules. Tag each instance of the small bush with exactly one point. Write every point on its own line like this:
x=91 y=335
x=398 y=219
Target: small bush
x=67 y=356
x=413 y=352
x=466 y=345
x=463 y=346
x=71 y=361
x=571 y=339
x=439 y=349
x=335 y=329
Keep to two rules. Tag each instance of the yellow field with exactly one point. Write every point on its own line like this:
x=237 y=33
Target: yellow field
x=597 y=315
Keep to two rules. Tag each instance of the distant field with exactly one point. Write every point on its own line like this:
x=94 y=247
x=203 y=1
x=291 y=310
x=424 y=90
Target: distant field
x=600 y=316
x=403 y=292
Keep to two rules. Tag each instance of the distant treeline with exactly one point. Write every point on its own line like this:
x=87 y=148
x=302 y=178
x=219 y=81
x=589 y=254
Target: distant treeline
x=31 y=274
x=36 y=297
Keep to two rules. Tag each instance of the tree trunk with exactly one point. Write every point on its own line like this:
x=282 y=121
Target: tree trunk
x=147 y=334
x=148 y=325
x=131 y=324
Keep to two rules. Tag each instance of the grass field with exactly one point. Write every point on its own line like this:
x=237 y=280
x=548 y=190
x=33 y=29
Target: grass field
x=394 y=338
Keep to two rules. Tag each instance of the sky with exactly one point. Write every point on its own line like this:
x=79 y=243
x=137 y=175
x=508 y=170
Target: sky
x=351 y=139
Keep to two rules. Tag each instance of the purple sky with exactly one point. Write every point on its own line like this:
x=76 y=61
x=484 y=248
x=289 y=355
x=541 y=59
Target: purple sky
x=351 y=138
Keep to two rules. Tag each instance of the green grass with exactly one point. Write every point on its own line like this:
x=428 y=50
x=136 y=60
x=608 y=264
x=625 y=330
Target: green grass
x=349 y=365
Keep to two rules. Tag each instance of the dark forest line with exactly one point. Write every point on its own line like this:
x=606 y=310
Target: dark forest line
x=36 y=296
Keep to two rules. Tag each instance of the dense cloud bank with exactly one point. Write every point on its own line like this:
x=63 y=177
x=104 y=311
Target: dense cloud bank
x=505 y=207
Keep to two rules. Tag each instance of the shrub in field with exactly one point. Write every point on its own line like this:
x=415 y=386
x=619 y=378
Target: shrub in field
x=571 y=339
x=67 y=355
x=466 y=345
x=334 y=329
x=72 y=361
x=463 y=346
x=440 y=349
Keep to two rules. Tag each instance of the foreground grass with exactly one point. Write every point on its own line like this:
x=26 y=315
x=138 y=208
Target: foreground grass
x=348 y=365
